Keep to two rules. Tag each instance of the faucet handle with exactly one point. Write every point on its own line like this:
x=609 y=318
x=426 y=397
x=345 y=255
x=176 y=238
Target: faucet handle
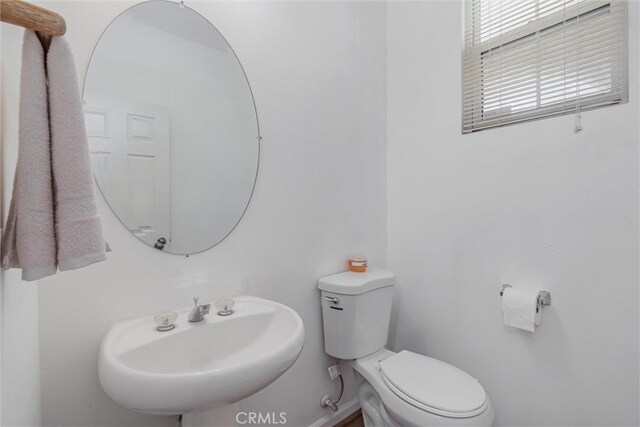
x=225 y=306
x=165 y=321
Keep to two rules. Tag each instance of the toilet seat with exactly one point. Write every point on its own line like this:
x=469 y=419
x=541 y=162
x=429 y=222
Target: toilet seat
x=432 y=385
x=402 y=411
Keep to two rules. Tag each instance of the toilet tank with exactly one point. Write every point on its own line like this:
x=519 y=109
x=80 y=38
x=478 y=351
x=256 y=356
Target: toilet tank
x=356 y=310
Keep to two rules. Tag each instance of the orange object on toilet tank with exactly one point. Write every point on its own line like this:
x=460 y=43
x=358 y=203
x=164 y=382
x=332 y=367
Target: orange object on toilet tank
x=358 y=264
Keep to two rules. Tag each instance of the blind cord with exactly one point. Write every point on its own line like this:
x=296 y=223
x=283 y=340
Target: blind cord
x=578 y=118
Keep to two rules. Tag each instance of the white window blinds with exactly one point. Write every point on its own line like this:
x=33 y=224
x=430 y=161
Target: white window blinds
x=528 y=59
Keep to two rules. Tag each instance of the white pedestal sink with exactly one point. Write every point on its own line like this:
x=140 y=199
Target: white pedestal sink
x=198 y=366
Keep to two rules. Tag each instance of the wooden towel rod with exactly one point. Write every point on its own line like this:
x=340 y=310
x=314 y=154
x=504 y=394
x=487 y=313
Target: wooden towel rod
x=43 y=21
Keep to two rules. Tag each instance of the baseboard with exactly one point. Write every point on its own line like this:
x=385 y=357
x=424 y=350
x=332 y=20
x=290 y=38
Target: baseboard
x=346 y=409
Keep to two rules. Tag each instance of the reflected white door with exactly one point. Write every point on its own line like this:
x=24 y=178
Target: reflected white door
x=130 y=147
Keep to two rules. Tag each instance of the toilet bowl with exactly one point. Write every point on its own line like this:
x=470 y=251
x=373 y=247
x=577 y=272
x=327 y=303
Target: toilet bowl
x=394 y=389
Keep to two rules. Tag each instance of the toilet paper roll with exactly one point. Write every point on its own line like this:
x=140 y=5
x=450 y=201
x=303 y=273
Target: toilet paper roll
x=519 y=308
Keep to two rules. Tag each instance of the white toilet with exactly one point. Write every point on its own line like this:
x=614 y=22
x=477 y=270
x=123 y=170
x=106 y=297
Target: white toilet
x=394 y=389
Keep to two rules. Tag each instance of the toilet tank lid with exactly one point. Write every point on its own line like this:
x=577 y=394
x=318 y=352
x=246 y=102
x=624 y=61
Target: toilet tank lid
x=352 y=283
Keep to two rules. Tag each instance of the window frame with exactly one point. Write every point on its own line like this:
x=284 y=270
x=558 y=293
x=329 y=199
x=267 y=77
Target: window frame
x=534 y=29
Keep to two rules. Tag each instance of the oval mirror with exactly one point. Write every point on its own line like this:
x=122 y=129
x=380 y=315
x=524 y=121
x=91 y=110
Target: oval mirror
x=172 y=127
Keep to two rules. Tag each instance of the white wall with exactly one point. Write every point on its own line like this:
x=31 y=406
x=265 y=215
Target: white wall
x=20 y=386
x=527 y=203
x=318 y=75
x=532 y=202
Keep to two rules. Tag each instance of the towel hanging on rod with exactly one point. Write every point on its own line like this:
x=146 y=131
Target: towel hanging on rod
x=44 y=22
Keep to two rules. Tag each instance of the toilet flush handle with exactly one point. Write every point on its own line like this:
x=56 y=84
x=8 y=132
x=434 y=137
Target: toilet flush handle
x=332 y=300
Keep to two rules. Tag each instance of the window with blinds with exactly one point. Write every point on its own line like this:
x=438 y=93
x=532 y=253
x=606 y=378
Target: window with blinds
x=528 y=59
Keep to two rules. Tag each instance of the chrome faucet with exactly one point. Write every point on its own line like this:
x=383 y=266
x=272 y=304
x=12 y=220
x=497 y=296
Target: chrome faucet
x=199 y=311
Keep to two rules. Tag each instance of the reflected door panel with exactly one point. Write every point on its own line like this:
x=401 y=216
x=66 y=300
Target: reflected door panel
x=130 y=149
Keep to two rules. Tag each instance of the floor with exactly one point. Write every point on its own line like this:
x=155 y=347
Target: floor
x=353 y=420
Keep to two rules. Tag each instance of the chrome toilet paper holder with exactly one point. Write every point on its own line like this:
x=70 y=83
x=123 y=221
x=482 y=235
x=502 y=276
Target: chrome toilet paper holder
x=543 y=298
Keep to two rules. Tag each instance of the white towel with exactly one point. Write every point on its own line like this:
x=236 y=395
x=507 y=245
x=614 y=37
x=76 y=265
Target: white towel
x=29 y=238
x=53 y=220
x=79 y=237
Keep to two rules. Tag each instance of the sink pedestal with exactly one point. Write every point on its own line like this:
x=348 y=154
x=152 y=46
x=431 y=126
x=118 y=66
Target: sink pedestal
x=223 y=416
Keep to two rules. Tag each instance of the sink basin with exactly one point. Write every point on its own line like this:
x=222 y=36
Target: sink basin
x=198 y=366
